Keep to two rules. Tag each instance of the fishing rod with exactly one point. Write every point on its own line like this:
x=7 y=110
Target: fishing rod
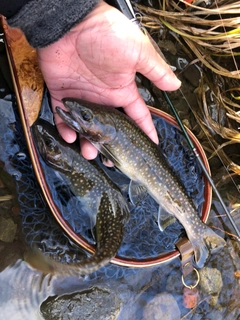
x=126 y=8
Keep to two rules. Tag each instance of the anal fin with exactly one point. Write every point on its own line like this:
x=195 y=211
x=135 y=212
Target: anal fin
x=165 y=219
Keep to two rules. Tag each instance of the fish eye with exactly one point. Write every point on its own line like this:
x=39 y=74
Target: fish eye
x=49 y=143
x=86 y=115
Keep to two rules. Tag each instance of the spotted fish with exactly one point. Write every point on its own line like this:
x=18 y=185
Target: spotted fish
x=119 y=139
x=96 y=191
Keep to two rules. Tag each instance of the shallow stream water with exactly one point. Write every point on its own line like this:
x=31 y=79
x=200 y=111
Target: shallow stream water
x=113 y=292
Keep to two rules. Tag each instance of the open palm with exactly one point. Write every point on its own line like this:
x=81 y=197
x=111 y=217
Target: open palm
x=97 y=61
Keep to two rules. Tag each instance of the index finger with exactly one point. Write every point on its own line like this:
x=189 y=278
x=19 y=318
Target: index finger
x=140 y=114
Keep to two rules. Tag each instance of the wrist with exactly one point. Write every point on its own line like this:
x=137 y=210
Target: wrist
x=44 y=22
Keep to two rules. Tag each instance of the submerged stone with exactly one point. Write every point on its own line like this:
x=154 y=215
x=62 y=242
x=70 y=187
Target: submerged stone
x=163 y=306
x=8 y=229
x=211 y=283
x=92 y=304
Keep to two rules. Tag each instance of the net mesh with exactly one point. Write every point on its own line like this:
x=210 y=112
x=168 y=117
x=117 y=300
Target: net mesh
x=142 y=237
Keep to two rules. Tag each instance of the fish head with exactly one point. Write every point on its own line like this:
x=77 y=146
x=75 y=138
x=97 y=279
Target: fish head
x=89 y=119
x=47 y=140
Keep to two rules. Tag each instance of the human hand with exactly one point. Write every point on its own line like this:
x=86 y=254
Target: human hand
x=97 y=61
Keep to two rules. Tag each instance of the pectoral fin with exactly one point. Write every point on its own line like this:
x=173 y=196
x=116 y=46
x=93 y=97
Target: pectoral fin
x=136 y=192
x=108 y=154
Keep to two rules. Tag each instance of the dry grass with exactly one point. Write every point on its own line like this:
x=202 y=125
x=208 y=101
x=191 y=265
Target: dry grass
x=210 y=32
x=210 y=37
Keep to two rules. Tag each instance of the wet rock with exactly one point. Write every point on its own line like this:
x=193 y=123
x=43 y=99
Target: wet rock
x=167 y=45
x=92 y=304
x=234 y=251
x=8 y=229
x=174 y=283
x=193 y=75
x=144 y=91
x=211 y=283
x=146 y=95
x=10 y=252
x=163 y=306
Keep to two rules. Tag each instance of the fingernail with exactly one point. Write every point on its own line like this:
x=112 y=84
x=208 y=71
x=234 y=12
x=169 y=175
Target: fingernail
x=171 y=79
x=178 y=82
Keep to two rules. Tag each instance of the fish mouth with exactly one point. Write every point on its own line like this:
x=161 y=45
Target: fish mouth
x=69 y=116
x=37 y=131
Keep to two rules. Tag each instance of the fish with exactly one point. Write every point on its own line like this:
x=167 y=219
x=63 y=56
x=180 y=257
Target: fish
x=97 y=192
x=119 y=139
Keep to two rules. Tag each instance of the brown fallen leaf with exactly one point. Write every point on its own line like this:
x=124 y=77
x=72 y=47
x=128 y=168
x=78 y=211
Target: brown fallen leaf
x=237 y=274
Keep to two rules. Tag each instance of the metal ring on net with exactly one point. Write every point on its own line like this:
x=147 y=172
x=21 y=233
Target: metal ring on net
x=196 y=282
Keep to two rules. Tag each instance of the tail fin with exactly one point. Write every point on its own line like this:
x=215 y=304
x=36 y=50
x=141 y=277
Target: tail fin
x=109 y=233
x=37 y=260
x=211 y=243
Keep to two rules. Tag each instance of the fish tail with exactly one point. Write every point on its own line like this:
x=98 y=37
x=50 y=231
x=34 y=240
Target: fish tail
x=209 y=243
x=87 y=266
x=38 y=260
x=109 y=226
